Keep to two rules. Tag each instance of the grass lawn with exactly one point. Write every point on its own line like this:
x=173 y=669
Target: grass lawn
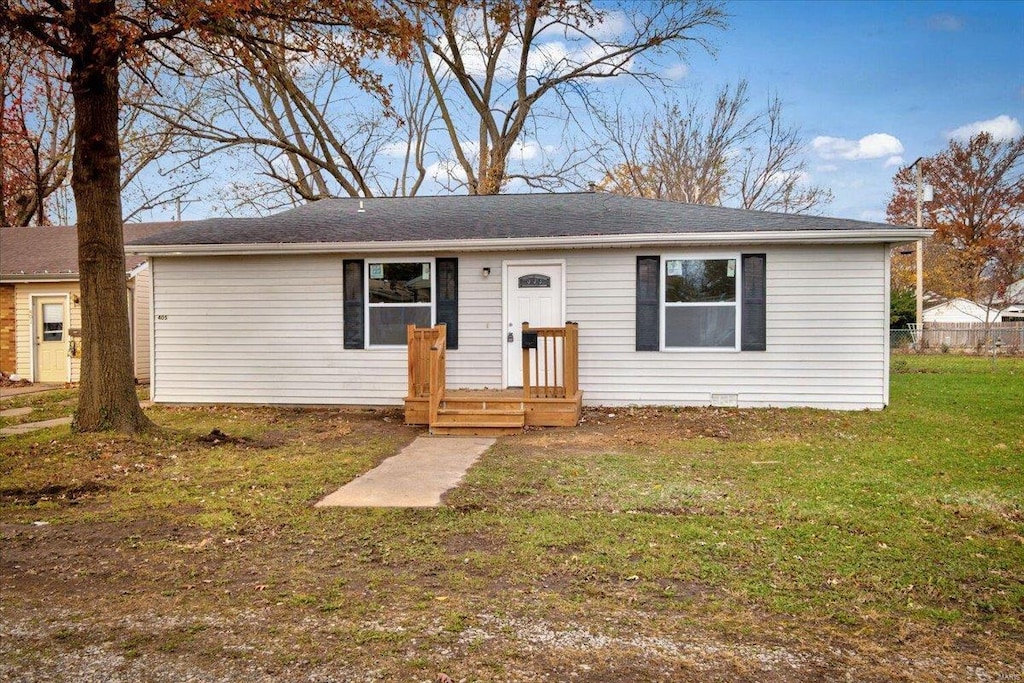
x=690 y=544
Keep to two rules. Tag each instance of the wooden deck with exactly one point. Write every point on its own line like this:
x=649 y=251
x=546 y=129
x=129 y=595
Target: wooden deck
x=550 y=397
x=493 y=411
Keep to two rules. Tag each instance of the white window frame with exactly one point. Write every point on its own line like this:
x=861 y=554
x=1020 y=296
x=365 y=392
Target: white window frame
x=366 y=295
x=665 y=258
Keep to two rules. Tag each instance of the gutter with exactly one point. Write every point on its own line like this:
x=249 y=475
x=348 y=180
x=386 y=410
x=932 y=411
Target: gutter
x=8 y=278
x=888 y=236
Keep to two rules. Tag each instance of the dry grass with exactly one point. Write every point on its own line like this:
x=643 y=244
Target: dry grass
x=683 y=545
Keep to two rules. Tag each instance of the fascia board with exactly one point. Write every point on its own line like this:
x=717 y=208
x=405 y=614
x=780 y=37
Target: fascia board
x=539 y=243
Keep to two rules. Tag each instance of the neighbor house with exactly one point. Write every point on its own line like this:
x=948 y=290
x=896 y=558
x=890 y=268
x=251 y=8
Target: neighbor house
x=960 y=310
x=674 y=304
x=40 y=301
x=1013 y=303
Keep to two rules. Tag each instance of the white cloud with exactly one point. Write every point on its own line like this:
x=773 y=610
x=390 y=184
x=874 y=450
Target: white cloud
x=396 y=149
x=874 y=146
x=826 y=168
x=1001 y=127
x=611 y=24
x=446 y=170
x=783 y=177
x=894 y=161
x=677 y=72
x=945 y=22
x=549 y=54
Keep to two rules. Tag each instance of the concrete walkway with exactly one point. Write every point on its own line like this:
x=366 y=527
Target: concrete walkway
x=415 y=478
x=11 y=392
x=33 y=426
x=16 y=412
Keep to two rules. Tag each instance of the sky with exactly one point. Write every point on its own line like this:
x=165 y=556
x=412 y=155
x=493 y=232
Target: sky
x=875 y=85
x=872 y=86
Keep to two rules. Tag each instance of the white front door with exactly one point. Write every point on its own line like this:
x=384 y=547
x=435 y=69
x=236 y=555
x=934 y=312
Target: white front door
x=533 y=294
x=51 y=341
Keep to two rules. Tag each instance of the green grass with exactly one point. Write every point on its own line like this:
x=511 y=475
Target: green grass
x=862 y=525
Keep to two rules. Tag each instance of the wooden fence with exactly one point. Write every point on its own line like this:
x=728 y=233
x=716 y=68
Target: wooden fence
x=970 y=336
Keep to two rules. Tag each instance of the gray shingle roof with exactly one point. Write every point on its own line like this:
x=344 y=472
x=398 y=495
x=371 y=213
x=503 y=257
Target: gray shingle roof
x=53 y=250
x=489 y=217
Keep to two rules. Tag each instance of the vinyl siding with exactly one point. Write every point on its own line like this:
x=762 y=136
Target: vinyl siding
x=268 y=329
x=140 y=324
x=826 y=325
x=261 y=330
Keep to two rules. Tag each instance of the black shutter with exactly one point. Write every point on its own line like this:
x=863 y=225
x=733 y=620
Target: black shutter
x=354 y=297
x=448 y=298
x=753 y=315
x=648 y=303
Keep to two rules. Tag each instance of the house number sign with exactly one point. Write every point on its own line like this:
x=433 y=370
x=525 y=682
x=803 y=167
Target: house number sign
x=534 y=282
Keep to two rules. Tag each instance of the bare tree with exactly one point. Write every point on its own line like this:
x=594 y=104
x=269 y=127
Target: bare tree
x=37 y=133
x=505 y=58
x=97 y=37
x=720 y=155
x=314 y=129
x=39 y=142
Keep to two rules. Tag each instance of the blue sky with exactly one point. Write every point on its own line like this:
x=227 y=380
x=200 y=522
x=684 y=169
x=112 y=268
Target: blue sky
x=872 y=86
x=916 y=71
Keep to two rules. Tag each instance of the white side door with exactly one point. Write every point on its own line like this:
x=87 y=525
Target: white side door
x=51 y=346
x=534 y=293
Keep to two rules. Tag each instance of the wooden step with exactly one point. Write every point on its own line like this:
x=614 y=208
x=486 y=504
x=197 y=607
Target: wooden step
x=467 y=430
x=470 y=402
x=462 y=417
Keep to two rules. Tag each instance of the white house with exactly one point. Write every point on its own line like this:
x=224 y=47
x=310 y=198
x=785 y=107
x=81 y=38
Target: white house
x=1014 y=303
x=961 y=311
x=675 y=304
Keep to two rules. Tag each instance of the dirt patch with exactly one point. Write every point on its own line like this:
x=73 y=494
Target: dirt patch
x=479 y=541
x=23 y=496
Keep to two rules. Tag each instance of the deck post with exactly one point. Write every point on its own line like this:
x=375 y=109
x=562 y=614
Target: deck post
x=526 y=366
x=437 y=375
x=571 y=361
x=410 y=341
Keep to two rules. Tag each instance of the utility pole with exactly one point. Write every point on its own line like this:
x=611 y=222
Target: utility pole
x=920 y=246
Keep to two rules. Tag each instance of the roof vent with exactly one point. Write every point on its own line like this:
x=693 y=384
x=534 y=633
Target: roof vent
x=361 y=209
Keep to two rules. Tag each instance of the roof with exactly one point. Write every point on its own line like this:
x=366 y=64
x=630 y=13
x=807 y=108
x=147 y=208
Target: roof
x=572 y=219
x=960 y=304
x=51 y=252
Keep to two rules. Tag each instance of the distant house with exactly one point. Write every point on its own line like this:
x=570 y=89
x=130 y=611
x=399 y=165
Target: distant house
x=961 y=311
x=675 y=303
x=40 y=305
x=1013 y=303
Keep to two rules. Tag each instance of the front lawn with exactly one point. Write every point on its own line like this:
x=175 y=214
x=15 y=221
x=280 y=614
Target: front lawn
x=688 y=544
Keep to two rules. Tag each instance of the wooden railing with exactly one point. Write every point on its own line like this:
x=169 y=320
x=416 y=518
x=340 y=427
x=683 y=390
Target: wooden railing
x=552 y=369
x=422 y=358
x=438 y=372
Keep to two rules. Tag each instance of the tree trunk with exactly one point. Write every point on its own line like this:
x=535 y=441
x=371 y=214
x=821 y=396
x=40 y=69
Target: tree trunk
x=107 y=398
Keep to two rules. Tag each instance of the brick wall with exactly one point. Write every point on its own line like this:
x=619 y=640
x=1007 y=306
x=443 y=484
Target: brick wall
x=8 y=356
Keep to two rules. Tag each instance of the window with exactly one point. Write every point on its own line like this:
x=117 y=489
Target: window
x=399 y=293
x=53 y=322
x=700 y=308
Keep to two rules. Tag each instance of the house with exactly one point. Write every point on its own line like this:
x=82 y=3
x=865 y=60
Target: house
x=1013 y=302
x=960 y=310
x=40 y=312
x=674 y=304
